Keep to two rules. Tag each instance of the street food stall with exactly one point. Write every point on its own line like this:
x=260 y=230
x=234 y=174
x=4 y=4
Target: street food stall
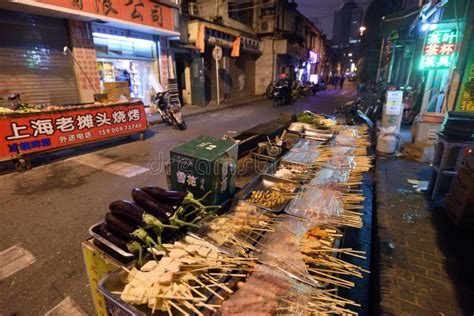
x=28 y=131
x=272 y=246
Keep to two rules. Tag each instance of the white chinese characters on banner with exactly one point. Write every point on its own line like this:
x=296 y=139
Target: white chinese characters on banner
x=16 y=132
x=119 y=117
x=67 y=124
x=42 y=127
x=102 y=119
x=85 y=121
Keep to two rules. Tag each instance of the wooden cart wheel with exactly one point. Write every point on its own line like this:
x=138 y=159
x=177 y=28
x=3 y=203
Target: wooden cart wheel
x=22 y=165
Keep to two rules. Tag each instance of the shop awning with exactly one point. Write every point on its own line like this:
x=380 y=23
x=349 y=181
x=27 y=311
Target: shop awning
x=199 y=29
x=398 y=21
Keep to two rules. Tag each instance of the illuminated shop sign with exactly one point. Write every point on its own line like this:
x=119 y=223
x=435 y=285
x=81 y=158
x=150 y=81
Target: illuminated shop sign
x=439 y=50
x=313 y=57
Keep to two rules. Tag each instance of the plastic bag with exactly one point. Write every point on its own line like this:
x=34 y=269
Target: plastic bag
x=330 y=178
x=317 y=205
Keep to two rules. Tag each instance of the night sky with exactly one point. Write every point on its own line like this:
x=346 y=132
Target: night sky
x=324 y=11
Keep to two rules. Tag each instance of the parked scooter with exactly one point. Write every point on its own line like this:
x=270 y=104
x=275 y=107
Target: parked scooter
x=296 y=89
x=170 y=113
x=320 y=86
x=306 y=89
x=353 y=114
x=282 y=93
x=269 y=91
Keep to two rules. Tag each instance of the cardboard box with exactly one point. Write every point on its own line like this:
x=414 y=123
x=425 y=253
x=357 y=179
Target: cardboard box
x=205 y=164
x=433 y=117
x=420 y=151
x=114 y=95
x=426 y=132
x=116 y=85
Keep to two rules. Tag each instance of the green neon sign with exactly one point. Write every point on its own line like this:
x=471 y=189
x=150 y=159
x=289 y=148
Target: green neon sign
x=439 y=50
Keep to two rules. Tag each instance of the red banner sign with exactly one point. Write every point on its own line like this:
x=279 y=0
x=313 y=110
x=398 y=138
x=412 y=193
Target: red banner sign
x=45 y=131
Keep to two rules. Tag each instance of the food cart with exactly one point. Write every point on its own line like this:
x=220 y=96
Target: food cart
x=32 y=132
x=274 y=247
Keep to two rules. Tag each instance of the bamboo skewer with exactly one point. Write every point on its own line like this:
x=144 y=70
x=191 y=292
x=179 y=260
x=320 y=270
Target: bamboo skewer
x=178 y=308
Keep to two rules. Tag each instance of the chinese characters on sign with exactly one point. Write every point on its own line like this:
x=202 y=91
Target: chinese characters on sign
x=157 y=14
x=84 y=53
x=135 y=13
x=189 y=180
x=466 y=95
x=46 y=131
x=144 y=12
x=439 y=50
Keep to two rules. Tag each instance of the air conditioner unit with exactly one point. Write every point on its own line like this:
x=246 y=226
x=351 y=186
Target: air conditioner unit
x=266 y=26
x=193 y=8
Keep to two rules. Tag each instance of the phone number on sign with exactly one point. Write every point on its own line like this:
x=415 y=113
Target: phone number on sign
x=120 y=129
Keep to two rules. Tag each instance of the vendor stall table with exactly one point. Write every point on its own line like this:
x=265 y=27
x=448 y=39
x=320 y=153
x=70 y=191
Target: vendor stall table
x=447 y=160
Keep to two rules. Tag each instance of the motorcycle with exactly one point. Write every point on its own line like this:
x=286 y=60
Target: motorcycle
x=296 y=89
x=374 y=109
x=353 y=113
x=306 y=89
x=320 y=86
x=170 y=113
x=281 y=93
x=269 y=91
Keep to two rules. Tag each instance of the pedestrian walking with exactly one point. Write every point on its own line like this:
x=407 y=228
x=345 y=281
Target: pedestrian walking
x=341 y=81
x=335 y=81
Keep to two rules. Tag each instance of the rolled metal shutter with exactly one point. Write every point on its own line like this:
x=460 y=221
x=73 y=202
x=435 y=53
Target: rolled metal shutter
x=32 y=61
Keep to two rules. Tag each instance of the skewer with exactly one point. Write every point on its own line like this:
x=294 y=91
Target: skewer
x=221 y=285
x=194 y=309
x=331 y=277
x=178 y=308
x=229 y=274
x=168 y=309
x=181 y=298
x=208 y=288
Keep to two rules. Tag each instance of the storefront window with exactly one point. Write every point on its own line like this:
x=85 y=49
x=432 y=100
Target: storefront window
x=127 y=66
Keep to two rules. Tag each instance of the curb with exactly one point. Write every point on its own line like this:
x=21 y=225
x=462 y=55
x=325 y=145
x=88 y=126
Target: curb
x=205 y=110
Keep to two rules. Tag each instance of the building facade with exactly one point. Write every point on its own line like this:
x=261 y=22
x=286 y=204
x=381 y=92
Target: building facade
x=347 y=21
x=292 y=44
x=428 y=50
x=66 y=52
x=259 y=40
x=208 y=27
x=346 y=36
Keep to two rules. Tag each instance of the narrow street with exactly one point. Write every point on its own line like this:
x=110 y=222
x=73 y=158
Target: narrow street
x=48 y=210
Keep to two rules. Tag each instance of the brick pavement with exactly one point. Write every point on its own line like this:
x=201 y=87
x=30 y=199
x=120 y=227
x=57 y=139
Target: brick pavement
x=423 y=264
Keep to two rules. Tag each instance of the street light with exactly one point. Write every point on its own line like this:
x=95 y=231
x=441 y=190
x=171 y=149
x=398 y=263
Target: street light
x=362 y=29
x=350 y=54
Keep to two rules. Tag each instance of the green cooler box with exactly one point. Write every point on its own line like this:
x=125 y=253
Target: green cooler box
x=205 y=164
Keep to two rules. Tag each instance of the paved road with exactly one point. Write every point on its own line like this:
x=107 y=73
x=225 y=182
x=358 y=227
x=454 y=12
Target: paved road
x=48 y=210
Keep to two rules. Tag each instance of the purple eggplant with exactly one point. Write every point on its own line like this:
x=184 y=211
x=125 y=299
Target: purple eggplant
x=165 y=196
x=128 y=210
x=150 y=205
x=114 y=238
x=122 y=226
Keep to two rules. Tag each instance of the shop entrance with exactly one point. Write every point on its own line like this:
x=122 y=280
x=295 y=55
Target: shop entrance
x=436 y=83
x=132 y=74
x=127 y=63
